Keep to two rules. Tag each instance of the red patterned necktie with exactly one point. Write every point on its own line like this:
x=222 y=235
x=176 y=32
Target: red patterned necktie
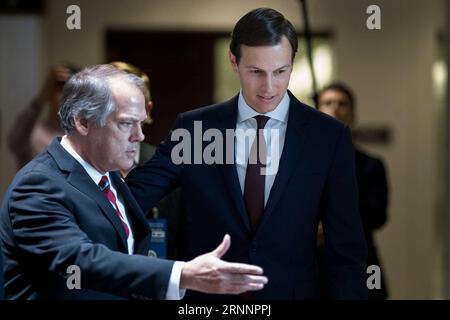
x=254 y=187
x=105 y=188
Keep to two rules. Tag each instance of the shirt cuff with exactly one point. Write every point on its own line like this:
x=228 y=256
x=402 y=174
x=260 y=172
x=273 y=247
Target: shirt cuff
x=173 y=290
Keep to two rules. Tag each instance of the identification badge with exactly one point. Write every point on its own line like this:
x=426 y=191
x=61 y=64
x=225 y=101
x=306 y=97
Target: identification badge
x=158 y=243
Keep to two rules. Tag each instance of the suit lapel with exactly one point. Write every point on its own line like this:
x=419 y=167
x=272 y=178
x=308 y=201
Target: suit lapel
x=123 y=190
x=294 y=141
x=293 y=144
x=141 y=227
x=227 y=120
x=79 y=178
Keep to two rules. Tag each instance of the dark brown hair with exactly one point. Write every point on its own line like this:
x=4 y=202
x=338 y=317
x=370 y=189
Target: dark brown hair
x=262 y=27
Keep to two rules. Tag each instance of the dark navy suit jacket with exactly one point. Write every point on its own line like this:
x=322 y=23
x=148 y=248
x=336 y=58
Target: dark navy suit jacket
x=373 y=189
x=315 y=181
x=53 y=216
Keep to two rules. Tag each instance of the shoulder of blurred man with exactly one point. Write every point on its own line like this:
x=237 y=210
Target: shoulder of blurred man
x=146 y=152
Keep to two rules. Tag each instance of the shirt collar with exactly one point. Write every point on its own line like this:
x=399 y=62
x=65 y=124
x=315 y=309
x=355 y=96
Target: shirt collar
x=280 y=113
x=91 y=171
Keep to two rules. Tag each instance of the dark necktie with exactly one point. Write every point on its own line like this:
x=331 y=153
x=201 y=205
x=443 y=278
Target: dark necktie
x=105 y=188
x=254 y=187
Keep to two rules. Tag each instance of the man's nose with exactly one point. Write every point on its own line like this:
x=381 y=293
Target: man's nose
x=137 y=135
x=334 y=107
x=331 y=109
x=268 y=83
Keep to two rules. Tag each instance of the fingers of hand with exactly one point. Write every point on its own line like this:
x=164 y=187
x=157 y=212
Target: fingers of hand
x=238 y=283
x=254 y=287
x=239 y=279
x=241 y=268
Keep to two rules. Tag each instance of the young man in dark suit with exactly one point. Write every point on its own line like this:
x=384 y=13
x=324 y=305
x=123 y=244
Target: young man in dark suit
x=271 y=196
x=69 y=225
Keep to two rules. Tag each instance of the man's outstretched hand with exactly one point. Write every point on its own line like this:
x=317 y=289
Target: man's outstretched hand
x=208 y=273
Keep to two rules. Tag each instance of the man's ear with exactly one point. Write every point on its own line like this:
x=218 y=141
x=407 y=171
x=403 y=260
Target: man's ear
x=149 y=107
x=233 y=61
x=82 y=126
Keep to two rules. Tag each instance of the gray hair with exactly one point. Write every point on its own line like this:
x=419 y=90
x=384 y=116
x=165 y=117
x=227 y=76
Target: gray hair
x=88 y=95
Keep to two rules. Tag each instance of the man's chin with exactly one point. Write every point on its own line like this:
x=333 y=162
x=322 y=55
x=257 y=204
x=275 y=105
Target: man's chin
x=127 y=166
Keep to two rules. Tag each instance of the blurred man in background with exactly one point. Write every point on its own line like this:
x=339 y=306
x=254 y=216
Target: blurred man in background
x=337 y=100
x=36 y=126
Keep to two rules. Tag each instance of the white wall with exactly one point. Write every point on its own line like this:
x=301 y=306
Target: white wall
x=389 y=69
x=21 y=63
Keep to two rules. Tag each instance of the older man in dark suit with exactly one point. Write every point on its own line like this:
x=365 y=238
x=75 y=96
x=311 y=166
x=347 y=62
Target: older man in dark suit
x=70 y=227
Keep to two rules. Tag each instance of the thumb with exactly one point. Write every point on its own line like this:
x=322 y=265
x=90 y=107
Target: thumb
x=223 y=247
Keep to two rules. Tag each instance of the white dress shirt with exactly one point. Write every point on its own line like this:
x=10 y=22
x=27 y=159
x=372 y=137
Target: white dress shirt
x=274 y=134
x=173 y=291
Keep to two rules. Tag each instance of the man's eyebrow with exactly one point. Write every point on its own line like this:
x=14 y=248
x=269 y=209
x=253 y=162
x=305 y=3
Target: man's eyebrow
x=129 y=118
x=255 y=67
x=285 y=66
